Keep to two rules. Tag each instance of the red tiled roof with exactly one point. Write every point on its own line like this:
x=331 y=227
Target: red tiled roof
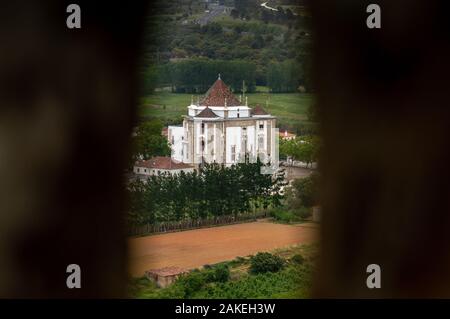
x=217 y=93
x=207 y=113
x=166 y=271
x=258 y=110
x=286 y=134
x=160 y=162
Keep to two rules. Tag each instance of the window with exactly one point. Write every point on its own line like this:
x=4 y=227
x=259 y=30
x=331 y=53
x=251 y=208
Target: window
x=138 y=170
x=244 y=144
x=261 y=142
x=145 y=170
x=261 y=127
x=238 y=113
x=173 y=140
x=233 y=153
x=203 y=145
x=203 y=128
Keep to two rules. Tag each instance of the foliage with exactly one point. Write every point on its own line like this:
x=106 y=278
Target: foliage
x=219 y=273
x=297 y=259
x=284 y=215
x=191 y=283
x=306 y=190
x=251 y=34
x=293 y=281
x=265 y=262
x=302 y=148
x=303 y=212
x=148 y=141
x=219 y=191
x=286 y=76
x=197 y=74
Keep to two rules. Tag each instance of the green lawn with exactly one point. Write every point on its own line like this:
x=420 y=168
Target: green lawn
x=290 y=108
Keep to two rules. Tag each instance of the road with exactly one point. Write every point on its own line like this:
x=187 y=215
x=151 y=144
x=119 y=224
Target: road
x=267 y=7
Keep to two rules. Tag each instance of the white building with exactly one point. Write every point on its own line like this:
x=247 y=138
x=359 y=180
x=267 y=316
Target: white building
x=175 y=136
x=223 y=129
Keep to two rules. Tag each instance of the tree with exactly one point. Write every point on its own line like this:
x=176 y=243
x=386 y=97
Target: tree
x=219 y=191
x=234 y=14
x=303 y=148
x=306 y=190
x=148 y=141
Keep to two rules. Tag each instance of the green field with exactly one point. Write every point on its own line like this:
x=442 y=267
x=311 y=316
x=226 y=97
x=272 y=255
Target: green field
x=290 y=108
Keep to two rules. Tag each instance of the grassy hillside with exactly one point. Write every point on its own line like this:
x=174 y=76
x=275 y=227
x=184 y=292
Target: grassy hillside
x=290 y=108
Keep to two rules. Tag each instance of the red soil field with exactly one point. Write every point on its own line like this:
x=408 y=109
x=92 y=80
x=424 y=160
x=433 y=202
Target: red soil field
x=195 y=248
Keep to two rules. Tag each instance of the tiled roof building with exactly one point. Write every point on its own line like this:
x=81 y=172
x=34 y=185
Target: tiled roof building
x=223 y=129
x=219 y=94
x=160 y=164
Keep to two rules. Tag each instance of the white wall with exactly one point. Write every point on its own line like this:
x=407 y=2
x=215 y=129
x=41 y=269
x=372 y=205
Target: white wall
x=154 y=171
x=176 y=137
x=233 y=138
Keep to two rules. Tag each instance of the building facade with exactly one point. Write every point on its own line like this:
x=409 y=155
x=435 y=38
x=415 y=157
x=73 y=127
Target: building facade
x=223 y=129
x=160 y=165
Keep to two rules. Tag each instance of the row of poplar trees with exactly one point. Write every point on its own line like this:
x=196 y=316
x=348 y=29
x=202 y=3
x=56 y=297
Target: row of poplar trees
x=214 y=190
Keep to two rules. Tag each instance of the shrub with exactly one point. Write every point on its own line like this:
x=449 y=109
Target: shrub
x=303 y=212
x=265 y=262
x=191 y=283
x=306 y=189
x=284 y=216
x=298 y=259
x=221 y=273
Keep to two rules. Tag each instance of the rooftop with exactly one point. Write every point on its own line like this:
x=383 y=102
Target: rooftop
x=161 y=162
x=218 y=94
x=166 y=271
x=258 y=110
x=207 y=113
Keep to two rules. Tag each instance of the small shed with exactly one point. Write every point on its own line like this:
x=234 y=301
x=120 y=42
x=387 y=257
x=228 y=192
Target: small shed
x=164 y=277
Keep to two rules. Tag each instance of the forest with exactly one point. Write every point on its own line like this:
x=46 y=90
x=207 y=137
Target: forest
x=250 y=43
x=218 y=191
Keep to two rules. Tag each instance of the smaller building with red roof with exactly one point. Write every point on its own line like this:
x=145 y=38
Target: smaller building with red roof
x=160 y=165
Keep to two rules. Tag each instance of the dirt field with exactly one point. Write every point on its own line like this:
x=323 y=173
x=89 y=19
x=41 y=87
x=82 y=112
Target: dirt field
x=195 y=248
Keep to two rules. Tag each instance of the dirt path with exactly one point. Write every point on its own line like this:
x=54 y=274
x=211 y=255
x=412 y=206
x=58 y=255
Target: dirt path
x=195 y=248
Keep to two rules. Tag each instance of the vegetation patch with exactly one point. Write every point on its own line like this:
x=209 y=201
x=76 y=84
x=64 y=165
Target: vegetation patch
x=235 y=279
